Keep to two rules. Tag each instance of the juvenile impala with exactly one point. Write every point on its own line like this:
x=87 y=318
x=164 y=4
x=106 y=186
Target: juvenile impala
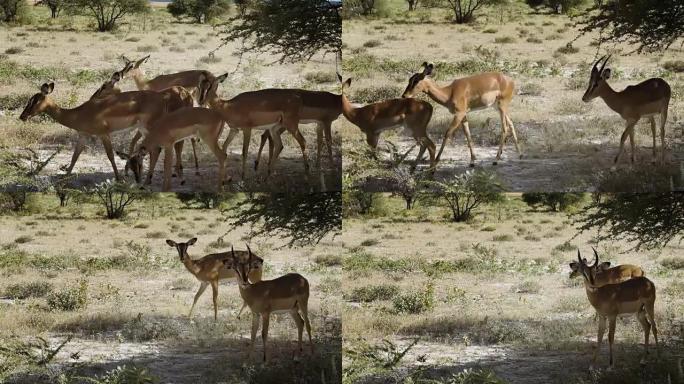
x=414 y=115
x=100 y=116
x=211 y=268
x=287 y=293
x=467 y=94
x=607 y=275
x=636 y=295
x=261 y=109
x=646 y=99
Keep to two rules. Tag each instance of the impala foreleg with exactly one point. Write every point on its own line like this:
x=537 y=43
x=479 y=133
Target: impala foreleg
x=599 y=336
x=168 y=165
x=466 y=130
x=214 y=297
x=515 y=135
x=629 y=126
x=178 y=149
x=255 y=328
x=650 y=312
x=663 y=119
x=455 y=124
x=654 y=134
x=641 y=316
x=193 y=141
x=107 y=143
x=327 y=130
x=611 y=337
x=200 y=291
x=300 y=327
x=265 y=320
x=78 y=148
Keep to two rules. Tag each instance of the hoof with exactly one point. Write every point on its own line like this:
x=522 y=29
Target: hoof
x=472 y=165
x=495 y=162
x=173 y=175
x=182 y=182
x=520 y=157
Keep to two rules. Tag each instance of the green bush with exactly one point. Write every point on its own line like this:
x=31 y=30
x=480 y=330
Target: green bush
x=371 y=293
x=200 y=11
x=375 y=94
x=674 y=66
x=69 y=298
x=320 y=77
x=555 y=201
x=415 y=302
x=673 y=262
x=26 y=290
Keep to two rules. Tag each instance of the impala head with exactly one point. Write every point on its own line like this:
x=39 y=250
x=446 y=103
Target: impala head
x=597 y=79
x=345 y=84
x=133 y=66
x=109 y=86
x=182 y=248
x=575 y=270
x=417 y=82
x=207 y=88
x=134 y=162
x=587 y=271
x=244 y=267
x=38 y=102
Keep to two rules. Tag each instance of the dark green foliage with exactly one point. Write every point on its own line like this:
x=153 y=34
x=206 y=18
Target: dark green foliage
x=650 y=219
x=304 y=219
x=651 y=25
x=11 y=10
x=555 y=201
x=55 y=6
x=201 y=11
x=203 y=200
x=464 y=10
x=558 y=6
x=117 y=196
x=467 y=191
x=107 y=13
x=294 y=30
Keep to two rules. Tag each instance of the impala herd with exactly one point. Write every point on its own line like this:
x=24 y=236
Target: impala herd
x=169 y=109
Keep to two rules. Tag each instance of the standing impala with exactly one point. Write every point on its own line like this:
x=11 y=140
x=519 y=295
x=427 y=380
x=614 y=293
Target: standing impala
x=262 y=109
x=636 y=295
x=211 y=268
x=190 y=80
x=646 y=99
x=607 y=275
x=287 y=293
x=467 y=94
x=100 y=116
x=414 y=115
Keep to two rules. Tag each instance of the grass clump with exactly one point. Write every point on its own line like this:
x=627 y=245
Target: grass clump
x=23 y=239
x=568 y=49
x=69 y=298
x=504 y=237
x=504 y=40
x=372 y=43
x=14 y=50
x=370 y=293
x=527 y=287
x=321 y=77
x=374 y=94
x=674 y=66
x=673 y=262
x=565 y=247
x=209 y=59
x=415 y=302
x=328 y=260
x=29 y=289
x=369 y=242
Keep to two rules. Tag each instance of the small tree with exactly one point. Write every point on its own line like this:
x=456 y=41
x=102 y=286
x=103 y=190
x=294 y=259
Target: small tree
x=55 y=6
x=201 y=11
x=116 y=197
x=107 y=13
x=19 y=171
x=12 y=9
x=464 y=10
x=555 y=201
x=651 y=25
x=467 y=191
x=292 y=29
x=651 y=220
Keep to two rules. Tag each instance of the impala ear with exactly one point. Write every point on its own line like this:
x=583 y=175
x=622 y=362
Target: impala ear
x=579 y=258
x=222 y=78
x=125 y=60
x=428 y=69
x=423 y=67
x=46 y=88
x=348 y=82
x=605 y=265
x=141 y=61
x=606 y=74
x=171 y=243
x=192 y=241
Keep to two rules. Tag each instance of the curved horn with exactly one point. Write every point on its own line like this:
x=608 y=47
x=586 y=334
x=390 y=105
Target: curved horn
x=579 y=258
x=604 y=63
x=596 y=257
x=249 y=250
x=594 y=68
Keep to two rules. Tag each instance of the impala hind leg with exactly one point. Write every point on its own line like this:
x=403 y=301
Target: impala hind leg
x=650 y=312
x=599 y=336
x=193 y=141
x=632 y=144
x=265 y=320
x=154 y=156
x=654 y=133
x=663 y=119
x=168 y=165
x=302 y=145
x=274 y=151
x=629 y=126
x=641 y=316
x=455 y=124
x=246 y=137
x=304 y=311
x=300 y=327
x=178 y=172
x=265 y=137
x=134 y=141
x=200 y=291
x=219 y=153
x=255 y=328
x=214 y=297
x=515 y=135
x=504 y=132
x=611 y=337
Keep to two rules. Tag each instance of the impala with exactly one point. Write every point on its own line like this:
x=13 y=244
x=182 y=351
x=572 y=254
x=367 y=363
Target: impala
x=287 y=293
x=261 y=109
x=321 y=108
x=211 y=268
x=411 y=114
x=100 y=116
x=108 y=87
x=485 y=90
x=646 y=99
x=636 y=295
x=607 y=275
x=173 y=128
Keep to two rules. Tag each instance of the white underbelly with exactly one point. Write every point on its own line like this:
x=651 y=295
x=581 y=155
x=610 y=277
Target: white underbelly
x=309 y=121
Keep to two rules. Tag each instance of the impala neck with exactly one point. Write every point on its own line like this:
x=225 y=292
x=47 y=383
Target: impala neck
x=439 y=94
x=140 y=81
x=611 y=97
x=190 y=265
x=348 y=109
x=66 y=117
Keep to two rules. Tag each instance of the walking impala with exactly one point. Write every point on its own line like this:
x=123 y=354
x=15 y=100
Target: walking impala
x=467 y=94
x=646 y=99
x=211 y=268
x=287 y=293
x=101 y=116
x=263 y=109
x=190 y=80
x=636 y=295
x=414 y=115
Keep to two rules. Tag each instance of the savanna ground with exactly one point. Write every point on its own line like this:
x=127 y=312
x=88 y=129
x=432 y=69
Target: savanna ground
x=122 y=295
x=67 y=50
x=559 y=133
x=493 y=296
